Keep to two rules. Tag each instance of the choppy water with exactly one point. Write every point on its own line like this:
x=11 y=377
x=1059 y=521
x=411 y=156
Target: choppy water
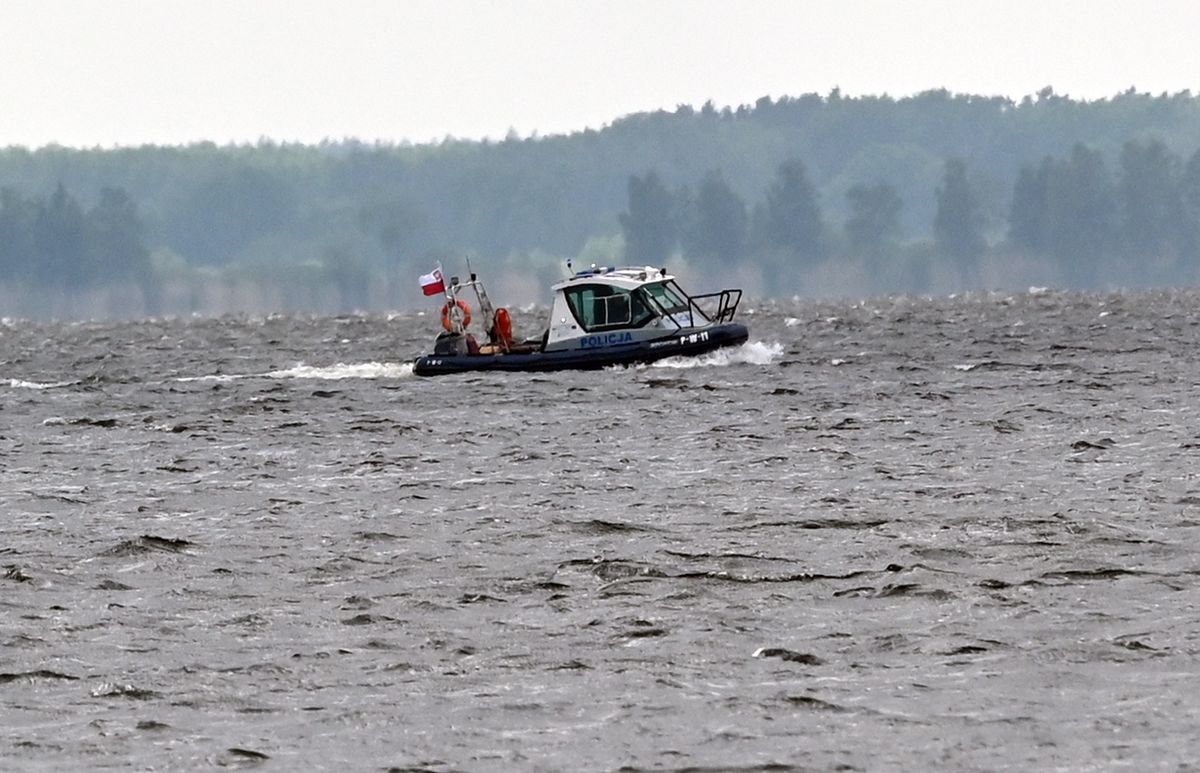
x=901 y=535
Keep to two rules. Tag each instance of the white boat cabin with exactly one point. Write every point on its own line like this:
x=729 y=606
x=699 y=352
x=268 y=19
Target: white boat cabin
x=605 y=307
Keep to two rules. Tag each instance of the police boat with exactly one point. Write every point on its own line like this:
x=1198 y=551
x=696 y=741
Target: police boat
x=598 y=318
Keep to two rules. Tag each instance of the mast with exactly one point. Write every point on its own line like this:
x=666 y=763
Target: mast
x=485 y=304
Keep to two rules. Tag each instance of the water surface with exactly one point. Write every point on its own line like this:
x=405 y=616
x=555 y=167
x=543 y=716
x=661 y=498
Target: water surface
x=896 y=535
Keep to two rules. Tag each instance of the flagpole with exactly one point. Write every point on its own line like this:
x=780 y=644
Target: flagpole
x=448 y=291
x=445 y=284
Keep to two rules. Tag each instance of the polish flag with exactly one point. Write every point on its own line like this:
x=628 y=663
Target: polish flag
x=432 y=284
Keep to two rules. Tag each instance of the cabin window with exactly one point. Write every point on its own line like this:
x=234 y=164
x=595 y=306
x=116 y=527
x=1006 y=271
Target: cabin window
x=598 y=307
x=668 y=296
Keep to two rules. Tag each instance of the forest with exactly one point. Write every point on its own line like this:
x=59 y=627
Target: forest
x=816 y=196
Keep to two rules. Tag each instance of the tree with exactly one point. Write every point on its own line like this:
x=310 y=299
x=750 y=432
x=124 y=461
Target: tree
x=1027 y=226
x=58 y=236
x=716 y=231
x=792 y=218
x=1080 y=212
x=1148 y=193
x=17 y=218
x=1189 y=206
x=874 y=216
x=649 y=224
x=958 y=224
x=1066 y=210
x=115 y=251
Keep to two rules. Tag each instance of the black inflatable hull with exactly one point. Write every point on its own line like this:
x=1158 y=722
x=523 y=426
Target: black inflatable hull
x=690 y=344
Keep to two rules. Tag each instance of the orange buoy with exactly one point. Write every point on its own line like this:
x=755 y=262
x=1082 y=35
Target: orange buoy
x=503 y=326
x=448 y=314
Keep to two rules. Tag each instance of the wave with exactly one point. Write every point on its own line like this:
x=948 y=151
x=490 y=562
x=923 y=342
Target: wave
x=16 y=383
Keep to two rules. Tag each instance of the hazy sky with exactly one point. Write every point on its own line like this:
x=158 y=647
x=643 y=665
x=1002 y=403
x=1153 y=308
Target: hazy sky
x=126 y=72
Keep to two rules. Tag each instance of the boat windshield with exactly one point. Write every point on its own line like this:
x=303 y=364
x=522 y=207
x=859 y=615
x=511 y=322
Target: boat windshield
x=671 y=299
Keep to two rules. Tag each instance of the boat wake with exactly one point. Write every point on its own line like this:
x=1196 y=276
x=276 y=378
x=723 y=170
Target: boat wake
x=340 y=371
x=363 y=370
x=749 y=353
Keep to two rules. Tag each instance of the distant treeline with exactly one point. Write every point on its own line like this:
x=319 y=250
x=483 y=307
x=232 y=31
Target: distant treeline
x=816 y=194
x=1070 y=217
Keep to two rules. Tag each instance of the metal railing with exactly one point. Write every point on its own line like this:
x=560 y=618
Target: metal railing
x=726 y=306
x=727 y=303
